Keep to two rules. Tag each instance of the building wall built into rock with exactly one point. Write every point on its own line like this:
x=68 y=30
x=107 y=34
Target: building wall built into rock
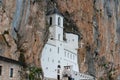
x=9 y=69
x=59 y=53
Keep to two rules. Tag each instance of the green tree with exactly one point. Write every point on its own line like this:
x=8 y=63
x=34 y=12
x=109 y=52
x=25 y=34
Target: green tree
x=35 y=73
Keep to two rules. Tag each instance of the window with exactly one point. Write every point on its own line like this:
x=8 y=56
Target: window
x=59 y=21
x=58 y=49
x=46 y=67
x=58 y=61
x=58 y=36
x=68 y=55
x=58 y=71
x=0 y=70
x=59 y=66
x=50 y=20
x=58 y=77
x=48 y=58
x=50 y=49
x=71 y=56
x=11 y=72
x=65 y=53
x=53 y=60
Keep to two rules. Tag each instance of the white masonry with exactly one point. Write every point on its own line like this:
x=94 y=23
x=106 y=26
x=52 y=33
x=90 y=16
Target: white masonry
x=58 y=53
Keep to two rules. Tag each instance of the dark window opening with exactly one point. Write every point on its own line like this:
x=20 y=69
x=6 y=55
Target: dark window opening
x=70 y=78
x=0 y=70
x=59 y=66
x=58 y=77
x=11 y=72
x=50 y=20
x=59 y=21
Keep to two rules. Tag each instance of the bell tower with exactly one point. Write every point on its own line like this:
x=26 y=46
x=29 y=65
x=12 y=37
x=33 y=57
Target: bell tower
x=55 y=22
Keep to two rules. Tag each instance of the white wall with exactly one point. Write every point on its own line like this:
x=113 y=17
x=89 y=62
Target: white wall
x=52 y=57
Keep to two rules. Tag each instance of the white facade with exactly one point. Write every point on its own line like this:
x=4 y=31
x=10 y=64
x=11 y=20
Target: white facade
x=58 y=53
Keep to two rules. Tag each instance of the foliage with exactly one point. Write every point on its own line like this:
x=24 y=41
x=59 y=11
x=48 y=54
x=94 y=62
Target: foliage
x=22 y=58
x=35 y=73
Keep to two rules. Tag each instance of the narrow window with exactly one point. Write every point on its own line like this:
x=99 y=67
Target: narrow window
x=59 y=21
x=58 y=77
x=71 y=56
x=58 y=36
x=0 y=70
x=58 y=49
x=50 y=20
x=53 y=60
x=48 y=58
x=11 y=72
x=65 y=53
x=58 y=71
x=68 y=55
x=58 y=61
x=50 y=49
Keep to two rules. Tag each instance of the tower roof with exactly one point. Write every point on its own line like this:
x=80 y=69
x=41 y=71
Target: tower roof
x=54 y=11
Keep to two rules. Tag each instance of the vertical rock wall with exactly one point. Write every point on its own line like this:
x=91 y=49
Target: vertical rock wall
x=23 y=28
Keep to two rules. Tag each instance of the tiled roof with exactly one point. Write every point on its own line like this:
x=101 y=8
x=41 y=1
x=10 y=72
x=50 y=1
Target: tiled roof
x=5 y=59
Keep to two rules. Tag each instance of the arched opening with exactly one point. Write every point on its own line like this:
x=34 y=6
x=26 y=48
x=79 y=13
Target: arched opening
x=59 y=66
x=59 y=20
x=50 y=20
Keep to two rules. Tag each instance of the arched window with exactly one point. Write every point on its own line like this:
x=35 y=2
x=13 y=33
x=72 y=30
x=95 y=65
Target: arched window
x=50 y=20
x=59 y=20
x=59 y=66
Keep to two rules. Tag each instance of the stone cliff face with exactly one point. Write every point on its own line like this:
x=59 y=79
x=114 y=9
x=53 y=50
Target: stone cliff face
x=23 y=31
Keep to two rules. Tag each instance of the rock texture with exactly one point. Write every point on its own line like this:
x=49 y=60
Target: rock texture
x=23 y=31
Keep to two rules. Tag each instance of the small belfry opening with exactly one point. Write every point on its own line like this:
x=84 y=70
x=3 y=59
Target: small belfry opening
x=59 y=21
x=50 y=21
